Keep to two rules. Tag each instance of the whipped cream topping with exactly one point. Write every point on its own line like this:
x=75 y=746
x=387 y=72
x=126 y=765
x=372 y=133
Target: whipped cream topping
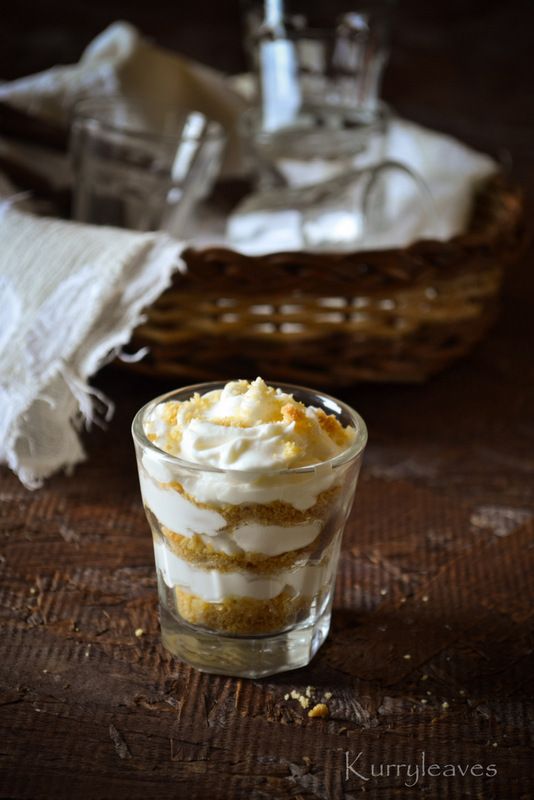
x=252 y=430
x=247 y=426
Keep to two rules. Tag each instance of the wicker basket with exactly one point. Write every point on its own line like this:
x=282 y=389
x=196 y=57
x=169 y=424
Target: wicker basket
x=334 y=319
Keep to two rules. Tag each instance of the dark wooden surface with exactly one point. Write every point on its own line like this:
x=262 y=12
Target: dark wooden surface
x=438 y=557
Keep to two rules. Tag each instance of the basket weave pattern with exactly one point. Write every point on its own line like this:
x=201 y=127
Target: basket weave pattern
x=336 y=318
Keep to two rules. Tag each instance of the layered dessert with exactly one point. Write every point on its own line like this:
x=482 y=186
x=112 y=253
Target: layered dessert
x=248 y=511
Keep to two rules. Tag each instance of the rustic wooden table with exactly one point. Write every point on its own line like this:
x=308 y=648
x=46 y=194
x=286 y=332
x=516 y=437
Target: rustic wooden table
x=431 y=651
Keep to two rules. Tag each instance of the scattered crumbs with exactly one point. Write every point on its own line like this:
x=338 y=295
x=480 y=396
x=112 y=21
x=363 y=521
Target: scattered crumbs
x=32 y=589
x=407 y=656
x=424 y=677
x=462 y=692
x=445 y=704
x=303 y=700
x=139 y=632
x=45 y=671
x=424 y=598
x=402 y=600
x=327 y=695
x=494 y=744
x=309 y=690
x=428 y=692
x=424 y=701
x=343 y=729
x=319 y=710
x=383 y=592
x=120 y=745
x=68 y=534
x=286 y=696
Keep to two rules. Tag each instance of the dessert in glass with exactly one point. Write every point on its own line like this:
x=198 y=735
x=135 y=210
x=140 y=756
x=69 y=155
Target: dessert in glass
x=247 y=488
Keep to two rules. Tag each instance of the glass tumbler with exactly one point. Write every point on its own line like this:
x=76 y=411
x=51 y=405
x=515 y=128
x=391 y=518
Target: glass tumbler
x=246 y=560
x=137 y=169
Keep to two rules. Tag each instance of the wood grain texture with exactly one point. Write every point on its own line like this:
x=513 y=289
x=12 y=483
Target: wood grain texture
x=436 y=562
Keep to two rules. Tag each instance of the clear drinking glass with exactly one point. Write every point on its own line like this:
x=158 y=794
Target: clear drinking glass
x=318 y=92
x=138 y=171
x=261 y=610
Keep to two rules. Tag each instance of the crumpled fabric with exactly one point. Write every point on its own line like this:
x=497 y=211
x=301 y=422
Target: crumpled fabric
x=70 y=297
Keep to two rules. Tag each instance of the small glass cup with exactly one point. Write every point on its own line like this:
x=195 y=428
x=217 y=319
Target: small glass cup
x=140 y=170
x=246 y=561
x=301 y=63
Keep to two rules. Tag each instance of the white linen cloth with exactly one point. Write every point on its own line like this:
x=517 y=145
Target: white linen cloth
x=121 y=62
x=70 y=296
x=267 y=222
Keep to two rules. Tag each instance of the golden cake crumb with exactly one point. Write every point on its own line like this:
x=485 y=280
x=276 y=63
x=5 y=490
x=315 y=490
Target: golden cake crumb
x=332 y=426
x=229 y=422
x=319 y=710
x=291 y=451
x=244 y=615
x=169 y=412
x=275 y=513
x=296 y=414
x=193 y=550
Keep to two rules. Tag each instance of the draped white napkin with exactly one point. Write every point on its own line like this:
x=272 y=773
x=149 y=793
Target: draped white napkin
x=121 y=62
x=70 y=296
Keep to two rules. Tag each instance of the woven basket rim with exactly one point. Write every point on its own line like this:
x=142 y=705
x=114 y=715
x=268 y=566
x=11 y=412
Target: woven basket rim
x=447 y=293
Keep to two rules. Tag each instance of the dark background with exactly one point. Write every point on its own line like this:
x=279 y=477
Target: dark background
x=460 y=65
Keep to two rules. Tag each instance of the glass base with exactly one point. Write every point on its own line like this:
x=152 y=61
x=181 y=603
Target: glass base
x=244 y=656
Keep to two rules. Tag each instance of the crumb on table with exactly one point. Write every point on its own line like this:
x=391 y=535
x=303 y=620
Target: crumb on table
x=319 y=710
x=303 y=700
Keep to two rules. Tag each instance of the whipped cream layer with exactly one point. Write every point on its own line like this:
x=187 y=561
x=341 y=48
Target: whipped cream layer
x=215 y=586
x=179 y=515
x=252 y=430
